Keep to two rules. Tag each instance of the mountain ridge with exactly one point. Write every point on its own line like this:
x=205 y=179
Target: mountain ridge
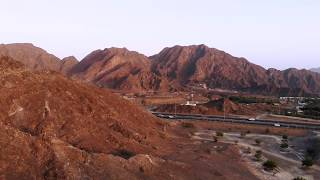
x=172 y=69
x=118 y=68
x=199 y=64
x=36 y=58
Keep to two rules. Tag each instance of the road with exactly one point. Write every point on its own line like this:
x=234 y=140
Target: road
x=261 y=122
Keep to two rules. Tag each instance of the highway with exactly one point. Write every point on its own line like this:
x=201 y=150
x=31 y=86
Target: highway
x=288 y=124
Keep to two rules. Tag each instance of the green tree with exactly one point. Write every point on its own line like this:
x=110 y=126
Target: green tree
x=220 y=134
x=269 y=165
x=258 y=155
x=307 y=161
x=284 y=137
x=284 y=145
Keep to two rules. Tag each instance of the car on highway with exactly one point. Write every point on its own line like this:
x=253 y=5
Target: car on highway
x=171 y=117
x=251 y=119
x=277 y=125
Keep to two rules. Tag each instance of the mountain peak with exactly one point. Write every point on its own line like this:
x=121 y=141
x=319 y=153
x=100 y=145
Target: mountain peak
x=67 y=64
x=70 y=58
x=31 y=56
x=117 y=68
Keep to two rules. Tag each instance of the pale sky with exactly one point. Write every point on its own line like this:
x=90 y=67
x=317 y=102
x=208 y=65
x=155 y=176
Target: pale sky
x=271 y=33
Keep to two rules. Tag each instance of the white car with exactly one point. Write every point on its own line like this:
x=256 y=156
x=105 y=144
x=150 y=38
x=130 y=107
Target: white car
x=251 y=119
x=171 y=117
x=277 y=125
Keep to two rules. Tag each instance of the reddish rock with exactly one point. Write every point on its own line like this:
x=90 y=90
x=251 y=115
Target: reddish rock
x=67 y=64
x=118 y=68
x=31 y=56
x=191 y=65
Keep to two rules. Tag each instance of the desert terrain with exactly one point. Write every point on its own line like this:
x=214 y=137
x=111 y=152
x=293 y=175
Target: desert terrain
x=111 y=116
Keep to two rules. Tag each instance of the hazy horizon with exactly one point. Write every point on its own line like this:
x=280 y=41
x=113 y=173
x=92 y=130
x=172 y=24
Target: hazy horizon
x=271 y=34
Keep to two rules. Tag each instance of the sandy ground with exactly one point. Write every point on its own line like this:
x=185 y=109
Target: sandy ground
x=288 y=167
x=207 y=159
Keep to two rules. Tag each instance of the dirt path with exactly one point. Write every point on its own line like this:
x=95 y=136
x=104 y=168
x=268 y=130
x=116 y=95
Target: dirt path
x=315 y=167
x=290 y=170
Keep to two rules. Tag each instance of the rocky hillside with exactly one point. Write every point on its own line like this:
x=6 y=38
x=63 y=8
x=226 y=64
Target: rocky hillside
x=293 y=82
x=200 y=64
x=194 y=65
x=52 y=127
x=119 y=68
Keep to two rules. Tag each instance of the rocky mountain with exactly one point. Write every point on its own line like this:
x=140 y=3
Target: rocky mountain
x=315 y=70
x=200 y=64
x=174 y=68
x=67 y=64
x=293 y=82
x=36 y=58
x=52 y=127
x=119 y=68
x=194 y=65
x=31 y=56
